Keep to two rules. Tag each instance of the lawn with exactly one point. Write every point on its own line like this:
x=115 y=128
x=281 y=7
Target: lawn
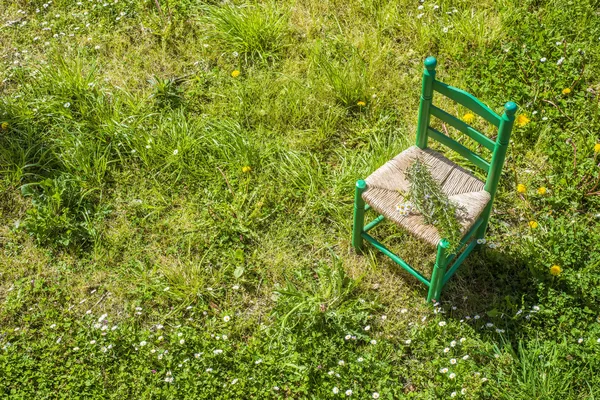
x=176 y=196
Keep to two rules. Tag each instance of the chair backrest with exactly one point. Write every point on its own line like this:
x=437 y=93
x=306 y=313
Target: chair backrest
x=504 y=123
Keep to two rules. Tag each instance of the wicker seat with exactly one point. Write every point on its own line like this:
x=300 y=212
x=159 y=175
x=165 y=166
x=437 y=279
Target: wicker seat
x=385 y=185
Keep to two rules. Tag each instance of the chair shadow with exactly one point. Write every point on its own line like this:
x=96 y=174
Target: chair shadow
x=491 y=284
x=497 y=286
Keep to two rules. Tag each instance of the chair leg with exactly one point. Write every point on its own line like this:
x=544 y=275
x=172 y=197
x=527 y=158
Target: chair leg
x=359 y=215
x=439 y=270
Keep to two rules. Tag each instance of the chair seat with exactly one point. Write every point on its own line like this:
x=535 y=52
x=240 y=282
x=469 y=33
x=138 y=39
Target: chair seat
x=384 y=187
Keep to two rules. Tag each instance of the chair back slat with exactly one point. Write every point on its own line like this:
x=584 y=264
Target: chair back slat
x=476 y=159
x=463 y=127
x=504 y=123
x=467 y=100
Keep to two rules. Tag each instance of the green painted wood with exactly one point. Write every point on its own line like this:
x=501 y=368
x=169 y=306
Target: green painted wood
x=463 y=127
x=459 y=261
x=498 y=157
x=439 y=269
x=465 y=239
x=395 y=258
x=359 y=215
x=426 y=99
x=459 y=148
x=468 y=100
x=367 y=207
x=373 y=223
x=504 y=131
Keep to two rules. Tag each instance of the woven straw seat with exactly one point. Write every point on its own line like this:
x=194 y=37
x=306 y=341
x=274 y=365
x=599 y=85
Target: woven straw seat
x=385 y=185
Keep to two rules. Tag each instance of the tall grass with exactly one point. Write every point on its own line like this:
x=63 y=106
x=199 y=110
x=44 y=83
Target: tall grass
x=257 y=33
x=539 y=370
x=347 y=75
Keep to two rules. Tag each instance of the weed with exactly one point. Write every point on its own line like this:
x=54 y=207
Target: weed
x=167 y=93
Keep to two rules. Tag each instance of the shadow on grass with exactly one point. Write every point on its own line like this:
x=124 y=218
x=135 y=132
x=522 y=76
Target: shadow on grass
x=493 y=285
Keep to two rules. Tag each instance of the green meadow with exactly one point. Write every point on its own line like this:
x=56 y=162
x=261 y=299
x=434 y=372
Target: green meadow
x=176 y=195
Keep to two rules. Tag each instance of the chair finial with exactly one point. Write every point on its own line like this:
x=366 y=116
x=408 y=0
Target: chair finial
x=510 y=108
x=430 y=63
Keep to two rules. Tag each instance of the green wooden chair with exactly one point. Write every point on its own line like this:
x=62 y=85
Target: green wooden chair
x=381 y=191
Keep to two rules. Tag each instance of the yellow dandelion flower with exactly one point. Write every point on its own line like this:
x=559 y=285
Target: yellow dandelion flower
x=4 y=125
x=361 y=103
x=542 y=190
x=246 y=169
x=521 y=188
x=596 y=147
x=522 y=120
x=235 y=73
x=566 y=91
x=555 y=270
x=468 y=118
x=533 y=224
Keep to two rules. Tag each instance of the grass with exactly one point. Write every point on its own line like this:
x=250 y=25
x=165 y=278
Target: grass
x=170 y=230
